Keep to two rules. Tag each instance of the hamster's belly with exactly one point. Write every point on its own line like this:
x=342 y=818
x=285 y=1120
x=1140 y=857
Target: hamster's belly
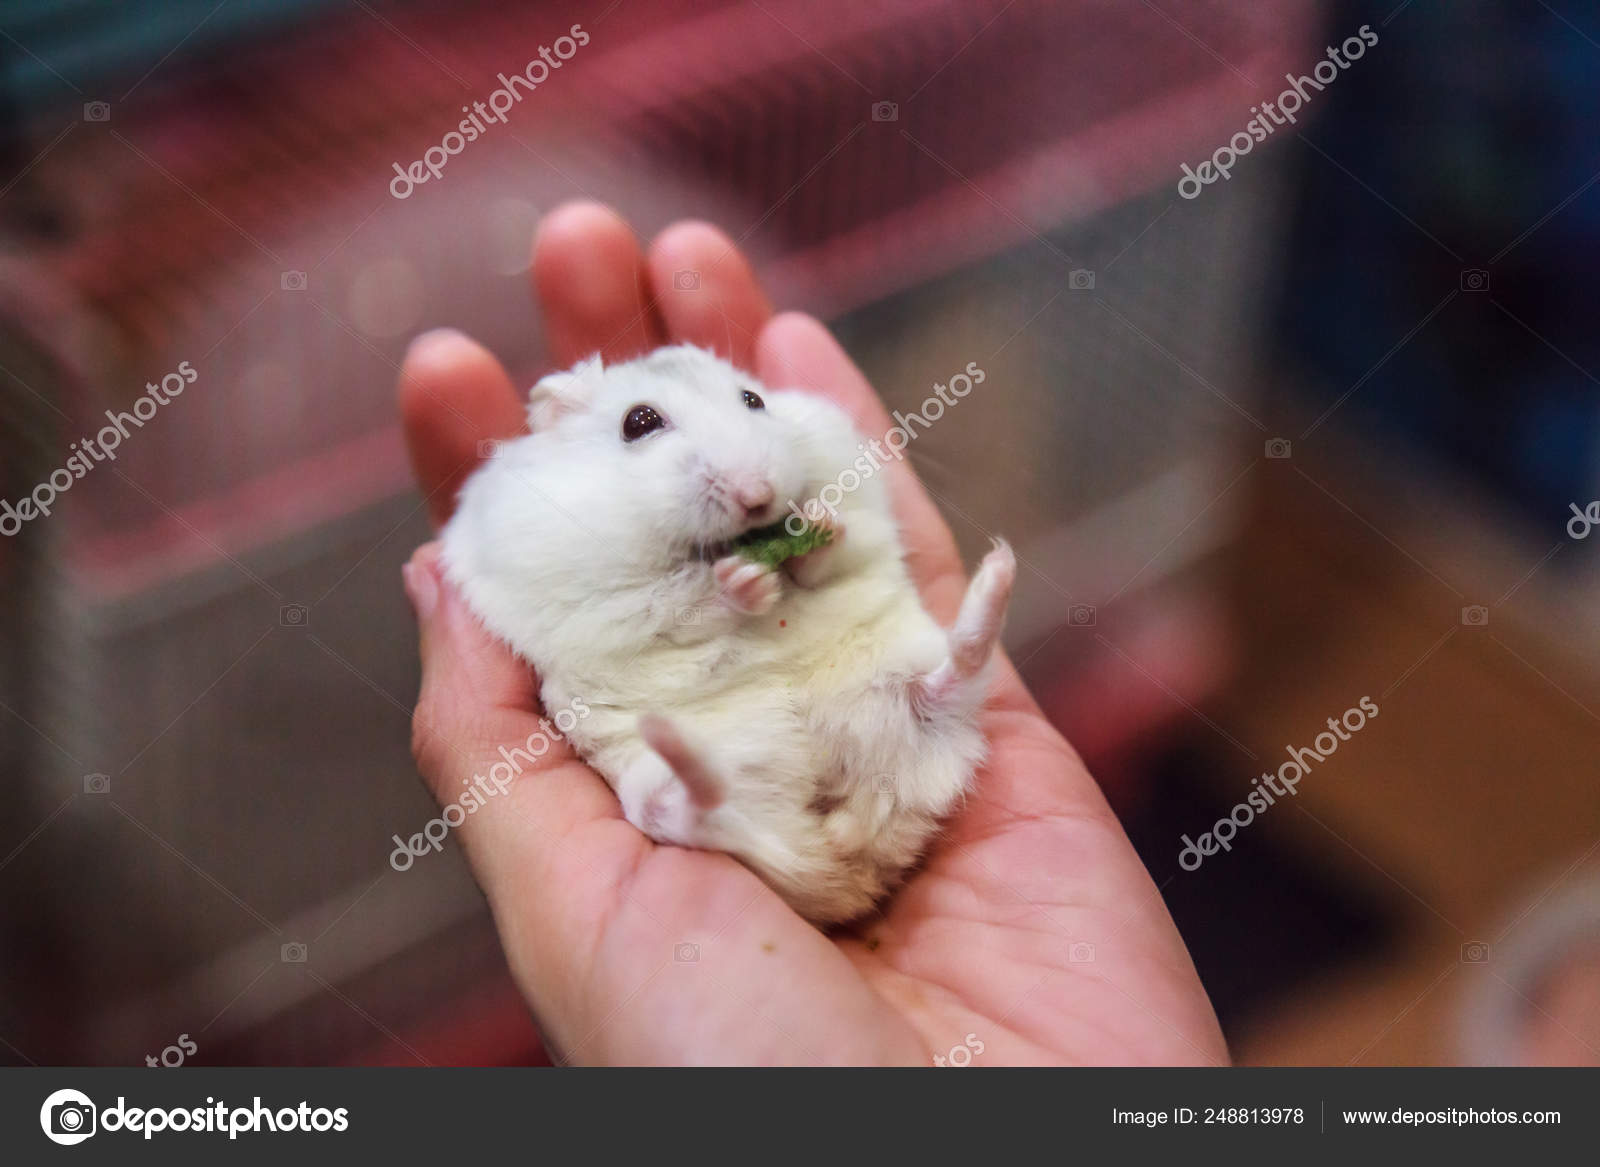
x=842 y=736
x=834 y=781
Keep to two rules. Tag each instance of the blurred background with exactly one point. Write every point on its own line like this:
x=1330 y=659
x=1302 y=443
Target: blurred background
x=1325 y=431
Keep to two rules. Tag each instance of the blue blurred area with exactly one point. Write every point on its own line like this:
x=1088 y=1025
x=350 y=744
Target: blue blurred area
x=98 y=45
x=1474 y=128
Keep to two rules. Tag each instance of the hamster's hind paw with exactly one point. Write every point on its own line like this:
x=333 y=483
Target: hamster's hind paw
x=706 y=788
x=751 y=588
x=983 y=611
x=973 y=636
x=668 y=792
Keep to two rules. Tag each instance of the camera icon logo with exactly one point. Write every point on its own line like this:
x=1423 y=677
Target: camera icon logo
x=1081 y=953
x=686 y=616
x=1081 y=615
x=293 y=953
x=294 y=615
x=686 y=953
x=488 y=448
x=97 y=111
x=884 y=783
x=1475 y=952
x=1474 y=279
x=97 y=783
x=67 y=1117
x=1080 y=279
x=885 y=111
x=293 y=281
x=687 y=280
x=1475 y=616
x=1279 y=448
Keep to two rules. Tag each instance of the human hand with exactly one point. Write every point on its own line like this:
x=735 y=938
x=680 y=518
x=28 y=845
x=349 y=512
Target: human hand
x=1032 y=926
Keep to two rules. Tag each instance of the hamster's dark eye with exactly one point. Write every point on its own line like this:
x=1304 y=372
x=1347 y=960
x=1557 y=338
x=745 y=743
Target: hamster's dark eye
x=753 y=400
x=641 y=420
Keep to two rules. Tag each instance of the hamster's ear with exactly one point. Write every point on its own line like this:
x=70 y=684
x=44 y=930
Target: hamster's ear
x=562 y=393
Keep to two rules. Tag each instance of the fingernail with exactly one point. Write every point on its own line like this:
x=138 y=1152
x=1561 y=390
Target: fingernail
x=422 y=588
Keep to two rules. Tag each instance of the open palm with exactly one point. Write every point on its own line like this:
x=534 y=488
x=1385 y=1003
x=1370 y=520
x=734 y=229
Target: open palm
x=1032 y=933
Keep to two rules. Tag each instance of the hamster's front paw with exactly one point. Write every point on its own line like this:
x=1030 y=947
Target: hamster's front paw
x=811 y=569
x=748 y=587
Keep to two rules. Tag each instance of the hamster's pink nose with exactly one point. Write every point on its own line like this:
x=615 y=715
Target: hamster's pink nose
x=755 y=495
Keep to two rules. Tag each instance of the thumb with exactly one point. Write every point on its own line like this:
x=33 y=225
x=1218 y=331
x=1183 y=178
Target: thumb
x=479 y=736
x=470 y=682
x=529 y=814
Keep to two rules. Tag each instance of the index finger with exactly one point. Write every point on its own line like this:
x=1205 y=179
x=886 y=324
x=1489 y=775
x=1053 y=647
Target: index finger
x=454 y=399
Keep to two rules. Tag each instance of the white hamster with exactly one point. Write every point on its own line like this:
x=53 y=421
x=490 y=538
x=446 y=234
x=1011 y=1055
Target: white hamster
x=813 y=721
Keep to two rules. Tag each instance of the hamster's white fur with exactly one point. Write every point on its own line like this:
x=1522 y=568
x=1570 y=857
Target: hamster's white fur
x=814 y=721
